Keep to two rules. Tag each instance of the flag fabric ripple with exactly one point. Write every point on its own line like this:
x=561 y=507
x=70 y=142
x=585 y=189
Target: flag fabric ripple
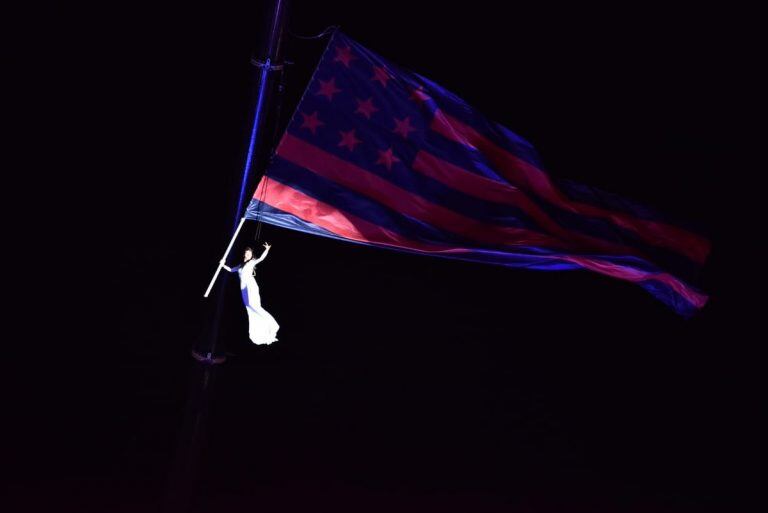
x=378 y=155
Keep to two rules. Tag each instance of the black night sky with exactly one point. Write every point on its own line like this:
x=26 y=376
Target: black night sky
x=400 y=383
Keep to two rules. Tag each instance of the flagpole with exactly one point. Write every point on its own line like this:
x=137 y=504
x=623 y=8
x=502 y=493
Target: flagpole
x=180 y=492
x=268 y=61
x=224 y=258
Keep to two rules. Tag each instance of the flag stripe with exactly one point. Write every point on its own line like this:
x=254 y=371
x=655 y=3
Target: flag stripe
x=323 y=163
x=637 y=275
x=540 y=215
x=364 y=182
x=349 y=226
x=330 y=192
x=344 y=224
x=449 y=223
x=491 y=190
x=534 y=180
x=474 y=162
x=364 y=207
x=324 y=219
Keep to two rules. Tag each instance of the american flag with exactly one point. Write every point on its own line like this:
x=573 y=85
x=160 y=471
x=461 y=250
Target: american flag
x=379 y=155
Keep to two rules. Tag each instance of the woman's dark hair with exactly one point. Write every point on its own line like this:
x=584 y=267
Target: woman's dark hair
x=248 y=248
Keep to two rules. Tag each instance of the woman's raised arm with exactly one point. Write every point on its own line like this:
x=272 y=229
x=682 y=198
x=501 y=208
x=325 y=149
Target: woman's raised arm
x=264 y=254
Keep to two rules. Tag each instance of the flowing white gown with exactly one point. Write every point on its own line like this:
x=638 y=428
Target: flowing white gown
x=262 y=327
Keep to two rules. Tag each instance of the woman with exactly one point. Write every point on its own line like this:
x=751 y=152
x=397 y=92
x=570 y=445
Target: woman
x=262 y=327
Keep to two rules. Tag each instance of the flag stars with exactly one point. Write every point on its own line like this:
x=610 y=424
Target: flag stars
x=344 y=55
x=348 y=140
x=366 y=108
x=328 y=88
x=381 y=75
x=387 y=158
x=403 y=127
x=311 y=122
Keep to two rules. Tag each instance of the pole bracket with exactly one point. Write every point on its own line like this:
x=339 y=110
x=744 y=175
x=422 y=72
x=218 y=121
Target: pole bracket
x=272 y=67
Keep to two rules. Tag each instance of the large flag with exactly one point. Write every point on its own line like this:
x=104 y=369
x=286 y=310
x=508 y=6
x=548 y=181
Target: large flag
x=378 y=155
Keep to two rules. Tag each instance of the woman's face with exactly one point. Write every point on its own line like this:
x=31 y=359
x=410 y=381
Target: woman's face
x=248 y=254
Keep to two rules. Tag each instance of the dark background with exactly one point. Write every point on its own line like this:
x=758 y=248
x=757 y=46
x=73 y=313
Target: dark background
x=399 y=383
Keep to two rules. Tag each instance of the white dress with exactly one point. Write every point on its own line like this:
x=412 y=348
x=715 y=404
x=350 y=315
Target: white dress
x=262 y=327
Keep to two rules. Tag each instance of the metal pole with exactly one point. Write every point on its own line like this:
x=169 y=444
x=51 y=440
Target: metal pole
x=185 y=476
x=268 y=64
x=269 y=61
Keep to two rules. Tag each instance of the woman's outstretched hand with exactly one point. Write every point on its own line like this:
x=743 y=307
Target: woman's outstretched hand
x=267 y=245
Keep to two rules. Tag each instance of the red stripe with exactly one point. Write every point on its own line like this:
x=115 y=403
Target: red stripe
x=369 y=184
x=349 y=226
x=492 y=190
x=532 y=179
x=636 y=275
x=344 y=224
